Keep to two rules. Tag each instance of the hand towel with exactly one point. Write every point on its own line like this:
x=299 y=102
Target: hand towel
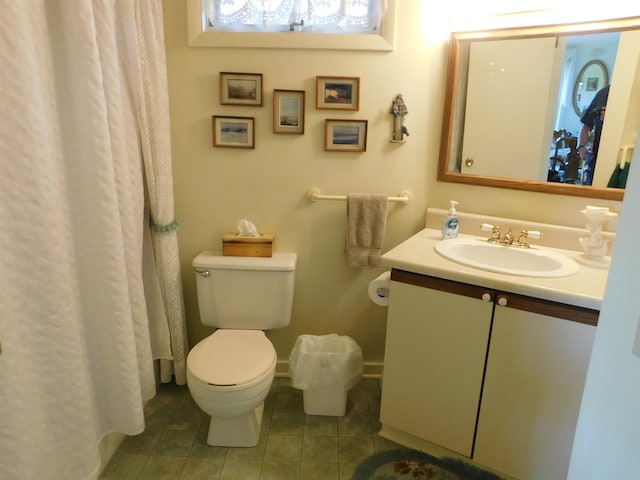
x=366 y=223
x=619 y=176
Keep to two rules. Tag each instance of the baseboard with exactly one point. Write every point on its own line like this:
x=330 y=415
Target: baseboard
x=371 y=369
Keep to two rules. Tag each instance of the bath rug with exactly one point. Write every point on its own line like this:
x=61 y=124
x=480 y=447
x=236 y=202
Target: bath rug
x=405 y=464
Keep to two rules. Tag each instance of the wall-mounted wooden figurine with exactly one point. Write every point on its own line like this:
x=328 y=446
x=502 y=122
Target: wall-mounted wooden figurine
x=399 y=110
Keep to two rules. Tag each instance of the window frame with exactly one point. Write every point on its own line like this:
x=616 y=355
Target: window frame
x=198 y=36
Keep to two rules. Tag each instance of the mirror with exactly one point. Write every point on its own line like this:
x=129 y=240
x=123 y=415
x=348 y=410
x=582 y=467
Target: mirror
x=517 y=109
x=591 y=78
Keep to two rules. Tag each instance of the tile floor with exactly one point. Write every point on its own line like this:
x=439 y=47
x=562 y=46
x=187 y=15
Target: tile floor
x=293 y=446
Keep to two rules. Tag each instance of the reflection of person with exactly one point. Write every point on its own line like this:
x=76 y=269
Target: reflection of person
x=592 y=119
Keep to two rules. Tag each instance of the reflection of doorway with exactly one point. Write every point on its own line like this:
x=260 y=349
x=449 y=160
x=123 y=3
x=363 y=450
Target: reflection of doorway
x=587 y=67
x=579 y=51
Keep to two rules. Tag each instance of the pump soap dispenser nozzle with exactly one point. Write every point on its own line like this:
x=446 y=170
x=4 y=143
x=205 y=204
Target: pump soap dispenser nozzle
x=450 y=223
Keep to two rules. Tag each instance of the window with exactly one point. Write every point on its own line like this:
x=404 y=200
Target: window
x=326 y=24
x=320 y=16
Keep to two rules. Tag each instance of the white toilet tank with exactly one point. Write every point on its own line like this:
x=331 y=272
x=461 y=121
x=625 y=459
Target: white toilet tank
x=251 y=293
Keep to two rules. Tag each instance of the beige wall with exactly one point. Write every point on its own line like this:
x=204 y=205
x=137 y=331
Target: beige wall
x=215 y=187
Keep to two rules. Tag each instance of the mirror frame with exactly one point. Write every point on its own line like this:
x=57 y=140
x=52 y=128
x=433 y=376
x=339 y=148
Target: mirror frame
x=456 y=43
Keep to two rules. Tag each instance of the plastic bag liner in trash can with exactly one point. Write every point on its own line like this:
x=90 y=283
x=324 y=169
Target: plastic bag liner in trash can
x=325 y=367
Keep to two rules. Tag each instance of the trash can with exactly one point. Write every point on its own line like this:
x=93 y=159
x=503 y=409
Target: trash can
x=325 y=367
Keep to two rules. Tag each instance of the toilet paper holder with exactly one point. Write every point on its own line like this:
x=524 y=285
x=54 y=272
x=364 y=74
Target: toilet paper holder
x=382 y=292
x=378 y=290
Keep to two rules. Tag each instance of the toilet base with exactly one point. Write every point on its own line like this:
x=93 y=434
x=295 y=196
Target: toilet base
x=240 y=431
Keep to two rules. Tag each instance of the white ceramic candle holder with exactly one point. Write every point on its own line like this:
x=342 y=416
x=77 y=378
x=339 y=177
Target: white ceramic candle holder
x=595 y=248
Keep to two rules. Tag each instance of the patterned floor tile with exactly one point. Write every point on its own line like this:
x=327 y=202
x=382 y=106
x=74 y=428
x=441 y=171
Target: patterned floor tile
x=292 y=446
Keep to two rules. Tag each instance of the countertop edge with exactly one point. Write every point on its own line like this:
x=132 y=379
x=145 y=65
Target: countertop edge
x=583 y=289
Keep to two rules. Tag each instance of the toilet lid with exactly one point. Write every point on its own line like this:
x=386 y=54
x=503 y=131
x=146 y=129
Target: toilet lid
x=232 y=357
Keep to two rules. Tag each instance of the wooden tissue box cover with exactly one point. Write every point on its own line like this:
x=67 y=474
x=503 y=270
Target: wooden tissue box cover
x=240 y=246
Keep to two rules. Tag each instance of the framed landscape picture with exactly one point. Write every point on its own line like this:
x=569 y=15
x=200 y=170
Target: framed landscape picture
x=240 y=89
x=338 y=93
x=233 y=132
x=345 y=135
x=288 y=111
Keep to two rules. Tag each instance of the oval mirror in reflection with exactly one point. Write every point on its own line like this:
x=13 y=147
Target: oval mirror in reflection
x=591 y=78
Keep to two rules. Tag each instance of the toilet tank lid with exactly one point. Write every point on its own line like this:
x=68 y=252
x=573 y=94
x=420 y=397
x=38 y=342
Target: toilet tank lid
x=280 y=261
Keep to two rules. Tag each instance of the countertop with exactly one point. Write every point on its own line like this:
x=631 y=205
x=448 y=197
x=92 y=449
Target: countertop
x=417 y=254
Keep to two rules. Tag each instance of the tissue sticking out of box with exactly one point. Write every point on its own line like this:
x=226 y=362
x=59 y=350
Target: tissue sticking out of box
x=247 y=229
x=248 y=242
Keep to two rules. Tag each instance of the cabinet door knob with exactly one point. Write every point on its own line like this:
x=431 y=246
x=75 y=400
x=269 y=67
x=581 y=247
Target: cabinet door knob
x=486 y=297
x=502 y=301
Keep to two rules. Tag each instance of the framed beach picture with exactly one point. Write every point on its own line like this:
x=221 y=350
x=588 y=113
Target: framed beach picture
x=288 y=111
x=234 y=132
x=338 y=93
x=240 y=89
x=345 y=135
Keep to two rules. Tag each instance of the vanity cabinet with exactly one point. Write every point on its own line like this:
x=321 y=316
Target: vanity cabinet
x=494 y=376
x=436 y=346
x=536 y=369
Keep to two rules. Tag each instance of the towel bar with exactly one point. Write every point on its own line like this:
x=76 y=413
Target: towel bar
x=314 y=195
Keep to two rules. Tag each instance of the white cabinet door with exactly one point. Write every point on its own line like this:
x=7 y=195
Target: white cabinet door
x=434 y=359
x=535 y=376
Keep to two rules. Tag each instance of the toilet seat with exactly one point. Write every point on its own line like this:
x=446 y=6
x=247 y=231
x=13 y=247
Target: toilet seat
x=232 y=357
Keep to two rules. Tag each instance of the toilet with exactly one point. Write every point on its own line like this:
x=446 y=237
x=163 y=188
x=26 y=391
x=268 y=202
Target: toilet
x=230 y=372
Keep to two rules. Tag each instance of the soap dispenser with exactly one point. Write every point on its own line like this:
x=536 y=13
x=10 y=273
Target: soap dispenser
x=450 y=223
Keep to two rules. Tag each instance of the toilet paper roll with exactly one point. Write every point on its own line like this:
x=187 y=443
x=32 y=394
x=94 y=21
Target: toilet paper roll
x=379 y=289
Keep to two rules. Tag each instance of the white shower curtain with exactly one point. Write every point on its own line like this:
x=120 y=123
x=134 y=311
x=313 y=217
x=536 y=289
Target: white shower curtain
x=75 y=346
x=148 y=73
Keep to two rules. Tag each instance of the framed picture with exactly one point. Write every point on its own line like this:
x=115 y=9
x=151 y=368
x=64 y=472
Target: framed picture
x=234 y=132
x=345 y=135
x=338 y=93
x=592 y=84
x=240 y=89
x=288 y=111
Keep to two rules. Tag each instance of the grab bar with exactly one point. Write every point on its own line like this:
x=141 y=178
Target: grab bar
x=314 y=195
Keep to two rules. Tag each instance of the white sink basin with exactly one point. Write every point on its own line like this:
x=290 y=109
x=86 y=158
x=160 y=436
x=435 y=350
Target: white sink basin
x=528 y=262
